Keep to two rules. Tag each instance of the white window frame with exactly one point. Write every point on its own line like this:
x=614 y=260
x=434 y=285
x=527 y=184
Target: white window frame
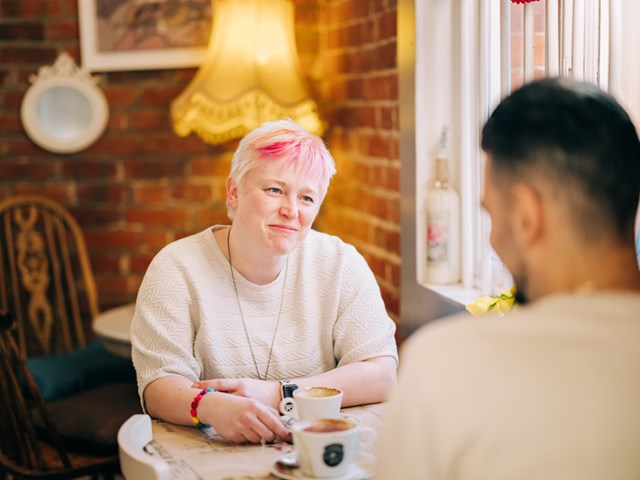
x=453 y=71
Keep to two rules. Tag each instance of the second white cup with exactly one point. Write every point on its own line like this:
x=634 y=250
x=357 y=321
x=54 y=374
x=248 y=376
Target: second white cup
x=313 y=402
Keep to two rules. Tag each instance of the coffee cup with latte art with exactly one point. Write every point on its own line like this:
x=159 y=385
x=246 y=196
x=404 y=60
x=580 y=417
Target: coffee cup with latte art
x=329 y=447
x=313 y=402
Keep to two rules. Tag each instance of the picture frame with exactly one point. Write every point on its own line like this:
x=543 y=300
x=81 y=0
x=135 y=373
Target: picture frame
x=126 y=35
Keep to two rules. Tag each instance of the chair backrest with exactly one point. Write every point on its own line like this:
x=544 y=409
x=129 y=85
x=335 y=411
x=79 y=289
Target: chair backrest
x=136 y=460
x=19 y=399
x=25 y=451
x=45 y=276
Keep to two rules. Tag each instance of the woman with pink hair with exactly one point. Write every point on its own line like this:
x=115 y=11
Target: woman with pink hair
x=230 y=318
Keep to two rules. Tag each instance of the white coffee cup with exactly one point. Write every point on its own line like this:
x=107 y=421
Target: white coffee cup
x=329 y=447
x=313 y=402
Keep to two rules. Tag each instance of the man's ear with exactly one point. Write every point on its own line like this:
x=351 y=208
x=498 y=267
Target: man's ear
x=232 y=192
x=528 y=218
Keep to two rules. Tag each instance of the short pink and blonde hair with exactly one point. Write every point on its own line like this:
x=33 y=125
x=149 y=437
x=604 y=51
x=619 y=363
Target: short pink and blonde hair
x=283 y=139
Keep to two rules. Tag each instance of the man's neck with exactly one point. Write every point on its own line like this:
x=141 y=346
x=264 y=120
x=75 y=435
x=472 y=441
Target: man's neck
x=582 y=270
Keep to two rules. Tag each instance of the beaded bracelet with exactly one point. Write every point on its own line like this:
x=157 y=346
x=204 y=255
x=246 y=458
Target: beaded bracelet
x=194 y=408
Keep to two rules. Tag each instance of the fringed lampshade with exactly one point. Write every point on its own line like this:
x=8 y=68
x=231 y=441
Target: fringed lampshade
x=250 y=74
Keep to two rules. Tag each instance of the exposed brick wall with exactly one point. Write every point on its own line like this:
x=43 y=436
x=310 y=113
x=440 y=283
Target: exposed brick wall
x=140 y=186
x=360 y=88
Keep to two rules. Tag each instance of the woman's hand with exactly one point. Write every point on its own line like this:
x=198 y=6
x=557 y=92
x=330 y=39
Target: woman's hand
x=239 y=419
x=265 y=392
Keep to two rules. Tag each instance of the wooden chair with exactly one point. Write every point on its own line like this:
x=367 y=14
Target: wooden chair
x=136 y=459
x=46 y=280
x=26 y=451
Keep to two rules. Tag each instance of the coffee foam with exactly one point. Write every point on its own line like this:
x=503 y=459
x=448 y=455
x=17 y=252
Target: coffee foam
x=327 y=425
x=317 y=392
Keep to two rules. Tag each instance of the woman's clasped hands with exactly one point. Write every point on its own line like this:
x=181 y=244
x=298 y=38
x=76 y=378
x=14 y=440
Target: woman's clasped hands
x=245 y=414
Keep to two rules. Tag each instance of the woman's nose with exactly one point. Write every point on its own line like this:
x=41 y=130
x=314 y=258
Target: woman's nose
x=289 y=208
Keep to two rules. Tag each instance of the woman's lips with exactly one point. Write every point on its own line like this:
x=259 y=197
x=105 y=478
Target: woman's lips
x=284 y=227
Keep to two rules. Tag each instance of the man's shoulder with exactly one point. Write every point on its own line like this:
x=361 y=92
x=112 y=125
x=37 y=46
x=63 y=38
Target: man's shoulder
x=563 y=315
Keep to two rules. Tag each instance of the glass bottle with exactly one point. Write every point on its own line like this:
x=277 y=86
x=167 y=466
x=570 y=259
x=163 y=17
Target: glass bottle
x=443 y=223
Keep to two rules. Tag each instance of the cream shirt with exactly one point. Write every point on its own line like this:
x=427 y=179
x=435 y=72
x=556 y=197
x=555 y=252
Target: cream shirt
x=550 y=391
x=187 y=320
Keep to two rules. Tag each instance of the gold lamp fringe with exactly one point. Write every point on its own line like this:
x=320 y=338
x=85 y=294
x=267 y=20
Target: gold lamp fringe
x=250 y=75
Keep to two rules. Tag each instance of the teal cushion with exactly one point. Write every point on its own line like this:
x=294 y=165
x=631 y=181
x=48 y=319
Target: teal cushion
x=59 y=376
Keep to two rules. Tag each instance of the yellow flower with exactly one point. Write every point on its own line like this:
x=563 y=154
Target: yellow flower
x=498 y=305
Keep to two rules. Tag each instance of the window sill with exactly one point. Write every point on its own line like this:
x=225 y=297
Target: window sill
x=455 y=294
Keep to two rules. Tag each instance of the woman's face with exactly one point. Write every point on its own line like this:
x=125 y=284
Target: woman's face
x=275 y=205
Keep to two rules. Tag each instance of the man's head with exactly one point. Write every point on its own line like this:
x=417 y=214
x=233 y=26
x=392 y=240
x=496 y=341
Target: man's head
x=566 y=145
x=283 y=140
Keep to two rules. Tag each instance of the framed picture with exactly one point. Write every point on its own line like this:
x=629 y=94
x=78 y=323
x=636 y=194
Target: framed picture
x=134 y=35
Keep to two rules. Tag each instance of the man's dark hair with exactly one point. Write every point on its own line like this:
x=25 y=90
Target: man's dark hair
x=579 y=140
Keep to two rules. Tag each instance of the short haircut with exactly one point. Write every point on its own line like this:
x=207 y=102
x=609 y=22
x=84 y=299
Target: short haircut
x=283 y=139
x=580 y=141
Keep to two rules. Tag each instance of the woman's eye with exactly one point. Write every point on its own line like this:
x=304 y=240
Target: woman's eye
x=308 y=199
x=274 y=190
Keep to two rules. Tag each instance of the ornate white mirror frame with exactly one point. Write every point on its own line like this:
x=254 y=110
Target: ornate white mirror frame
x=64 y=111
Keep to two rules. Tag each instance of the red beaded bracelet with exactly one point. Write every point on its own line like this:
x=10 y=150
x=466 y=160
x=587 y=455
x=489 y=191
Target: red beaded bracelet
x=194 y=408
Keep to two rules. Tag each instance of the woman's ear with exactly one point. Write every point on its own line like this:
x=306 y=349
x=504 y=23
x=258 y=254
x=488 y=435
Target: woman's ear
x=232 y=192
x=528 y=213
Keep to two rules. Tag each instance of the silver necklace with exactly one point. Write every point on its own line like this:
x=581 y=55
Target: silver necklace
x=244 y=325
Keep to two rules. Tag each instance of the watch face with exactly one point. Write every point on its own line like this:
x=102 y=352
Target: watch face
x=288 y=389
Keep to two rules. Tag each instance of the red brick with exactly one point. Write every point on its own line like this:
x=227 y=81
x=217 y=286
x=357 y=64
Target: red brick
x=140 y=262
x=118 y=121
x=89 y=169
x=386 y=56
x=102 y=261
x=160 y=95
x=388 y=118
x=150 y=193
x=356 y=88
x=210 y=216
x=95 y=215
x=110 y=239
x=378 y=146
x=186 y=191
x=116 y=145
x=119 y=95
x=342 y=44
x=171 y=143
x=154 y=168
x=366 y=116
x=21 y=31
x=35 y=56
x=63 y=30
x=13 y=98
x=387 y=23
x=155 y=240
x=22 y=169
x=107 y=284
x=150 y=119
x=175 y=217
x=393 y=182
x=111 y=193
x=59 y=193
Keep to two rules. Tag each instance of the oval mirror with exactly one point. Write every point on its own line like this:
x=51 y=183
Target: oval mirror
x=64 y=111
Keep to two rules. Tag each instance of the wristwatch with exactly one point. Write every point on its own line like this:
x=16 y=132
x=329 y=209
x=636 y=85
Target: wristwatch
x=287 y=388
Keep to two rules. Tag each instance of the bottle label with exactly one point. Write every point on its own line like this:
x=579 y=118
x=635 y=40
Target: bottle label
x=437 y=238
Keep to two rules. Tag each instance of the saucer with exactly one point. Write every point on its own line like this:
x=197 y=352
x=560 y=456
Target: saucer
x=357 y=472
